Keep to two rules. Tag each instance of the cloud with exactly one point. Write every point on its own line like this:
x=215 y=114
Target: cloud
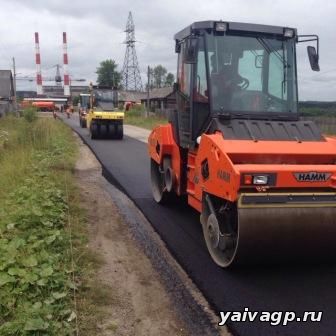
x=96 y=32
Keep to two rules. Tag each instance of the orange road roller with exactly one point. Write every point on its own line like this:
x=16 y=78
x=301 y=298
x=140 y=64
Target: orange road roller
x=262 y=180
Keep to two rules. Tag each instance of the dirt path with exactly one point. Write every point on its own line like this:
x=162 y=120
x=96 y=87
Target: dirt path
x=140 y=304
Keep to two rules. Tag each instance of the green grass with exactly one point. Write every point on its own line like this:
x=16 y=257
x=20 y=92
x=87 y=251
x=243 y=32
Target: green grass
x=36 y=271
x=135 y=116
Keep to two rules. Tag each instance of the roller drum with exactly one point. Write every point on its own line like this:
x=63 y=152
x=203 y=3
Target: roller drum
x=272 y=228
x=286 y=234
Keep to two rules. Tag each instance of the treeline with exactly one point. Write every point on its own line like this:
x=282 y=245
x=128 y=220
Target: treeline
x=158 y=77
x=109 y=75
x=317 y=108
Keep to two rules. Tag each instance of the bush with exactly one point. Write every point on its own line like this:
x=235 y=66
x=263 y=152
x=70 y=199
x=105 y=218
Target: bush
x=136 y=110
x=30 y=114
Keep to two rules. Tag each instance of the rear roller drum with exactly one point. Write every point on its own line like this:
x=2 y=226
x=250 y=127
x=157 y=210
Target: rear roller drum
x=159 y=189
x=169 y=176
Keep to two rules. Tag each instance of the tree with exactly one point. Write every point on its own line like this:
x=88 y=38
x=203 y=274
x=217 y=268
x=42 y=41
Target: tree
x=108 y=74
x=158 y=77
x=169 y=79
x=75 y=100
x=159 y=73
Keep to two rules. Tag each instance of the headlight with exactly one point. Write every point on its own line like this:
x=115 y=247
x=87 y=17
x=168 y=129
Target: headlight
x=257 y=179
x=260 y=179
x=221 y=26
x=288 y=32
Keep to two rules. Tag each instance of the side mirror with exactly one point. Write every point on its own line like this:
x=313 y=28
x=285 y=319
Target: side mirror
x=312 y=53
x=190 y=50
x=313 y=58
x=175 y=87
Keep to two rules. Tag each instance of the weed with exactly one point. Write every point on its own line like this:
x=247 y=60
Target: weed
x=35 y=259
x=135 y=116
x=30 y=114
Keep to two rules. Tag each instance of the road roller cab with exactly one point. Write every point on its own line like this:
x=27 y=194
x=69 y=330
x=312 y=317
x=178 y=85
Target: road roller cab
x=263 y=180
x=83 y=108
x=104 y=119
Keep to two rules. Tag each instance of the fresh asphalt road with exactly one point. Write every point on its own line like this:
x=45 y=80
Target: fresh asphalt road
x=297 y=289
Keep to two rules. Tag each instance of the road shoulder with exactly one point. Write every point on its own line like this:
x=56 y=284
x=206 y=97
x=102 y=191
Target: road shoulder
x=151 y=295
x=137 y=133
x=139 y=305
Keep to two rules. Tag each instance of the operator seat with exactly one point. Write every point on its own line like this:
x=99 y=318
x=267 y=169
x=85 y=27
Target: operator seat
x=224 y=85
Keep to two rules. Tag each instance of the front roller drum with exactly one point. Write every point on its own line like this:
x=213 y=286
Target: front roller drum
x=295 y=234
x=262 y=234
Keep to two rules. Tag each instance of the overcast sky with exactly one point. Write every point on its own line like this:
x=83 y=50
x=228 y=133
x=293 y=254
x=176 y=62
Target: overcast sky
x=96 y=32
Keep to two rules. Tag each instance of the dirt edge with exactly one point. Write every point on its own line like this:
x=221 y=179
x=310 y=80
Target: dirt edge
x=190 y=303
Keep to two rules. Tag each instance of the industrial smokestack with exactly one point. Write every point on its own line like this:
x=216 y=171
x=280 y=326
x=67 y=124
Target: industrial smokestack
x=65 y=67
x=39 y=88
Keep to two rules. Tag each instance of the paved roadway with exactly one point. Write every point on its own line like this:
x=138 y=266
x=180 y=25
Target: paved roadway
x=260 y=289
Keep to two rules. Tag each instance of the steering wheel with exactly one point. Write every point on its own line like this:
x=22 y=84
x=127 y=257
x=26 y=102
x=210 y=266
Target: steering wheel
x=243 y=82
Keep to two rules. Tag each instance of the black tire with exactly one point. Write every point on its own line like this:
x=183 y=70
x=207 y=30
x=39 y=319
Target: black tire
x=103 y=132
x=120 y=132
x=94 y=131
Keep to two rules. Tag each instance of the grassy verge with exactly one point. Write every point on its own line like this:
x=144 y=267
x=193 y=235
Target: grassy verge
x=37 y=210
x=135 y=116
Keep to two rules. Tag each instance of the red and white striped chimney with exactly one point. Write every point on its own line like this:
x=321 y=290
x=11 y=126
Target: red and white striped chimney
x=65 y=67
x=39 y=88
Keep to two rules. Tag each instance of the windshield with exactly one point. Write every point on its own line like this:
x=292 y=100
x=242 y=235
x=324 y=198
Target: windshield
x=252 y=74
x=104 y=96
x=85 y=101
x=104 y=100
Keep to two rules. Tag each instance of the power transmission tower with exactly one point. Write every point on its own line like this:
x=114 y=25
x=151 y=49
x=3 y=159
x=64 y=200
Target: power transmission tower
x=131 y=79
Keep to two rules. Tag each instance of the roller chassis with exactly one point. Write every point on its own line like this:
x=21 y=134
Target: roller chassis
x=263 y=181
x=243 y=220
x=105 y=124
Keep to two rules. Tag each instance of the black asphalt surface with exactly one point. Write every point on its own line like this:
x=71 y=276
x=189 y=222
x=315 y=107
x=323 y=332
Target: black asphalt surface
x=281 y=288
